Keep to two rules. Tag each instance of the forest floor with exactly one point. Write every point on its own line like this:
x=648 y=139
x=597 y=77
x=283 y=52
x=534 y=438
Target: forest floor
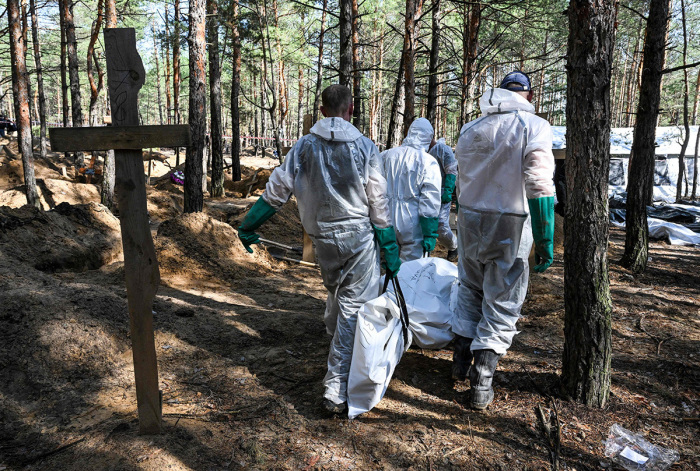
x=242 y=352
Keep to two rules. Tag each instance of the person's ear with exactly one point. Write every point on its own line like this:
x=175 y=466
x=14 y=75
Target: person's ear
x=351 y=109
x=530 y=95
x=323 y=111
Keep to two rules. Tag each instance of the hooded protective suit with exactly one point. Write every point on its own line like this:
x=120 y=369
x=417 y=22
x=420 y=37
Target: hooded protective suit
x=413 y=187
x=505 y=158
x=448 y=166
x=334 y=174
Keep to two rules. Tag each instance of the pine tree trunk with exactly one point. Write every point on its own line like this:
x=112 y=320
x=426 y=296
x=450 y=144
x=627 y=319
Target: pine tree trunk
x=168 y=75
x=393 y=133
x=20 y=91
x=472 y=23
x=345 y=70
x=357 y=116
x=319 y=65
x=176 y=74
x=65 y=110
x=39 y=78
x=640 y=183
x=108 y=172
x=413 y=12
x=194 y=196
x=686 y=125
x=73 y=72
x=300 y=100
x=235 y=92
x=91 y=56
x=217 y=157
x=431 y=113
x=587 y=327
x=155 y=57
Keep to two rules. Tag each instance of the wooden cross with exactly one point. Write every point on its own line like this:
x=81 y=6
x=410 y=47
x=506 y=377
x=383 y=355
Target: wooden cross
x=126 y=75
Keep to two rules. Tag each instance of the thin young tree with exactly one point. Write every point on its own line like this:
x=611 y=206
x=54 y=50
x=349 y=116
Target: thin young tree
x=587 y=324
x=155 y=57
x=217 y=158
x=194 y=196
x=20 y=91
x=95 y=87
x=39 y=78
x=176 y=73
x=431 y=112
x=640 y=184
x=686 y=124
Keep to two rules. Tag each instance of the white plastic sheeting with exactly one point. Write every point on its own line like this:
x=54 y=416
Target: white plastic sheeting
x=674 y=233
x=429 y=286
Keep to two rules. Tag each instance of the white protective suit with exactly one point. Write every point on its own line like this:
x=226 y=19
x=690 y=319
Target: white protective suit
x=448 y=166
x=505 y=157
x=334 y=174
x=413 y=187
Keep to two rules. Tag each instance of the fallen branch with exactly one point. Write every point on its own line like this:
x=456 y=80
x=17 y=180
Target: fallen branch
x=52 y=452
x=551 y=429
x=659 y=341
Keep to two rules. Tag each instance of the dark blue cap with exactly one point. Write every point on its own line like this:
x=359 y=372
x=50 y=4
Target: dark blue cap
x=516 y=81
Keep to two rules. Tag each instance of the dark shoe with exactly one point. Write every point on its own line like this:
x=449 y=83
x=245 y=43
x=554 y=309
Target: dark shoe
x=481 y=377
x=452 y=255
x=462 y=358
x=334 y=408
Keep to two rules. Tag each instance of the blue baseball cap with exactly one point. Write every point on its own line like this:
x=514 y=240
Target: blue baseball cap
x=516 y=81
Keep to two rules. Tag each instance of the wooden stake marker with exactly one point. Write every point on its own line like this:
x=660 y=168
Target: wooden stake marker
x=126 y=75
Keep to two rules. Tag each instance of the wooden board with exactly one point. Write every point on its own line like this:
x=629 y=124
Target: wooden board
x=119 y=137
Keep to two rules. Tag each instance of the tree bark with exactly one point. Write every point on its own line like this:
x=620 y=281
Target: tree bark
x=109 y=170
x=640 y=184
x=235 y=93
x=686 y=125
x=64 y=70
x=194 y=196
x=39 y=78
x=168 y=75
x=413 y=12
x=155 y=57
x=176 y=74
x=20 y=91
x=217 y=158
x=393 y=133
x=472 y=23
x=345 y=70
x=587 y=327
x=357 y=115
x=319 y=65
x=73 y=72
x=91 y=55
x=431 y=112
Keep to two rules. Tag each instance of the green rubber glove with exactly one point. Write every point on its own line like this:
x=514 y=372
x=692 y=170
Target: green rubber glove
x=429 y=227
x=448 y=187
x=542 y=215
x=387 y=241
x=258 y=214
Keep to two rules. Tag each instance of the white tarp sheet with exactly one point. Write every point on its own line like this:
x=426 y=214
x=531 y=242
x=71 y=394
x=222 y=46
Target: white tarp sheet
x=429 y=286
x=674 y=233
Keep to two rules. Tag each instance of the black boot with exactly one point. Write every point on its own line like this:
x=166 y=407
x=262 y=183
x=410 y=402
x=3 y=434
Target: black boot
x=452 y=255
x=462 y=358
x=481 y=377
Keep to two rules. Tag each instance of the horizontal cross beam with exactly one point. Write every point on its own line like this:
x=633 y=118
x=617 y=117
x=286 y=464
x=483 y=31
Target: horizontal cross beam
x=119 y=137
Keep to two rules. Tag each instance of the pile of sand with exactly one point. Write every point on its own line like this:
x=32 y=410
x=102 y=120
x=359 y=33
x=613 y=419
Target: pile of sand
x=255 y=184
x=284 y=227
x=196 y=246
x=70 y=237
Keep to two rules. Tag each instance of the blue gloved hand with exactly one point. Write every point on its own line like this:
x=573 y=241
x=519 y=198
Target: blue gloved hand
x=429 y=227
x=387 y=241
x=258 y=214
x=448 y=187
x=542 y=216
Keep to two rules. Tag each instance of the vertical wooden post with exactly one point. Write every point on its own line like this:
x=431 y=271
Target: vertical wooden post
x=126 y=75
x=308 y=251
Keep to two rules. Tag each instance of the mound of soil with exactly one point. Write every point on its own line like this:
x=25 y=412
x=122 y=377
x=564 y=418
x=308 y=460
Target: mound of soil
x=68 y=238
x=197 y=246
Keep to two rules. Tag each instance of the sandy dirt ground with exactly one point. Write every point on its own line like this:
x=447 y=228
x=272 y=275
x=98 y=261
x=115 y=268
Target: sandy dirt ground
x=242 y=351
